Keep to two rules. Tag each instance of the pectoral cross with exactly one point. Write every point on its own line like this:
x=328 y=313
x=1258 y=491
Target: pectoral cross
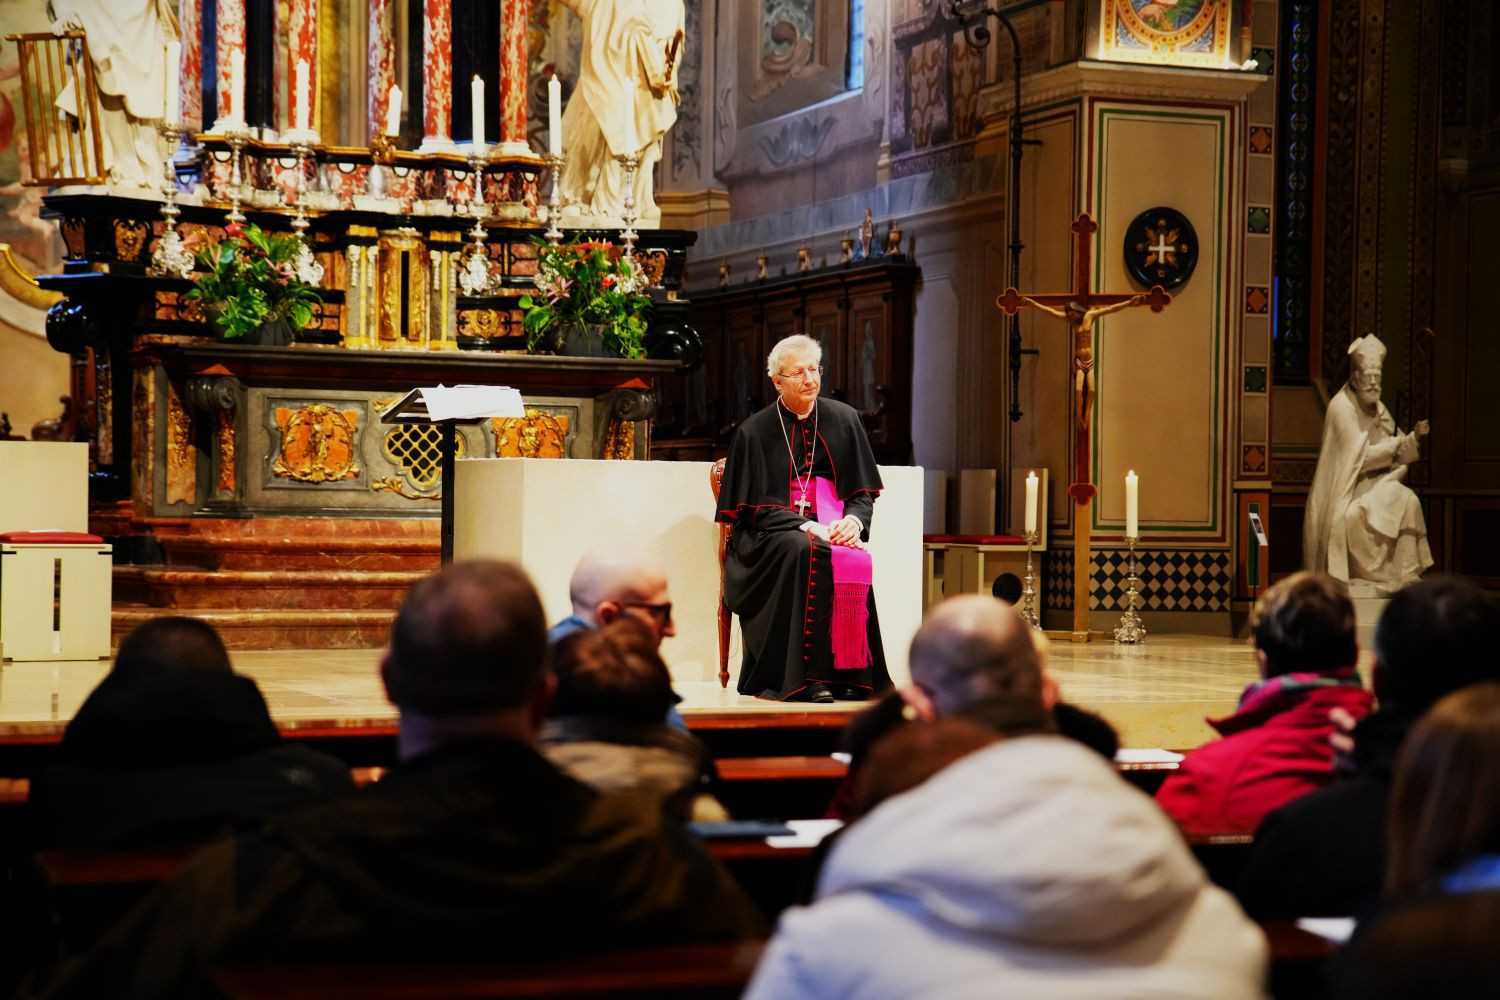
x=1080 y=307
x=802 y=504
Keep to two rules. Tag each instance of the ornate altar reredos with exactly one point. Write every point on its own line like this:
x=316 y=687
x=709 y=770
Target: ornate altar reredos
x=181 y=423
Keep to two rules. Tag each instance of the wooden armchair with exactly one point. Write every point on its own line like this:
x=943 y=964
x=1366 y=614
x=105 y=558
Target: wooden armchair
x=716 y=479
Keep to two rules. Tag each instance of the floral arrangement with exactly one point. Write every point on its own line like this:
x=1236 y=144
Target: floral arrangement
x=252 y=278
x=588 y=284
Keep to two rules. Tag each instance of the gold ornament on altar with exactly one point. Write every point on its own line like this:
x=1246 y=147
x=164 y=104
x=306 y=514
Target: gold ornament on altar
x=317 y=443
x=539 y=434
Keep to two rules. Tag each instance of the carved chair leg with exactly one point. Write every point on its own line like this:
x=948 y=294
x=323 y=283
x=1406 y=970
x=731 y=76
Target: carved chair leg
x=723 y=644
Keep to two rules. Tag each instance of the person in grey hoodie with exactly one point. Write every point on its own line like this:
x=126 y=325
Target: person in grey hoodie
x=1026 y=868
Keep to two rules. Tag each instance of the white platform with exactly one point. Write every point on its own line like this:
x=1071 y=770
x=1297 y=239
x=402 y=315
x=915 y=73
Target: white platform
x=545 y=513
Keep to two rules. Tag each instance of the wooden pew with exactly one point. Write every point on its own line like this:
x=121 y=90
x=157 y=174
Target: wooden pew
x=706 y=971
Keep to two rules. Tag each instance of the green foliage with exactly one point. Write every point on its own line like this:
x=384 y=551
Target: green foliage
x=250 y=278
x=589 y=284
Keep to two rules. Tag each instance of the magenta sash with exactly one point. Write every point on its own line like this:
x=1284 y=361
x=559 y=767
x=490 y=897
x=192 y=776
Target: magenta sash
x=852 y=574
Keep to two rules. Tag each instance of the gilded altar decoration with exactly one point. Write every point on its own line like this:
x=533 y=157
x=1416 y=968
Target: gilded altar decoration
x=224 y=481
x=537 y=435
x=655 y=264
x=415 y=449
x=75 y=238
x=104 y=406
x=142 y=435
x=479 y=323
x=182 y=459
x=130 y=239
x=1168 y=32
x=619 y=440
x=317 y=444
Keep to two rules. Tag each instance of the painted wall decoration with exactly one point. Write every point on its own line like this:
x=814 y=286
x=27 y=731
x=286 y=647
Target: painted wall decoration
x=799 y=56
x=1168 y=32
x=935 y=81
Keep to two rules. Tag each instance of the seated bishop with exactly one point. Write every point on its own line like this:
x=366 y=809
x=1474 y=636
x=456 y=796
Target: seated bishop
x=799 y=488
x=1363 y=525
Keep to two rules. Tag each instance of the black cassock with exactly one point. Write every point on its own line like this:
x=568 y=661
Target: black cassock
x=778 y=578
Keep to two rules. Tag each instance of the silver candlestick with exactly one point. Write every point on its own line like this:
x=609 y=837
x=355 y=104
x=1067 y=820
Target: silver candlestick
x=306 y=263
x=475 y=278
x=1028 y=589
x=631 y=162
x=236 y=135
x=554 y=234
x=1130 y=630
x=171 y=257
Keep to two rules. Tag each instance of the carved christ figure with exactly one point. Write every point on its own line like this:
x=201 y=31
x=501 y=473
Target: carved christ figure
x=1081 y=322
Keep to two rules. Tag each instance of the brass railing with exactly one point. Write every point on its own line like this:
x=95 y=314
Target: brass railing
x=62 y=109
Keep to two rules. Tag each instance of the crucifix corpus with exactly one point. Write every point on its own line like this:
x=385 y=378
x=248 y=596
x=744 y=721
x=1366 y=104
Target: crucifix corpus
x=1080 y=307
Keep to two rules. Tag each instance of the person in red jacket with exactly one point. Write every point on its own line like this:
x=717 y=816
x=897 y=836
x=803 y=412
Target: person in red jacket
x=1275 y=748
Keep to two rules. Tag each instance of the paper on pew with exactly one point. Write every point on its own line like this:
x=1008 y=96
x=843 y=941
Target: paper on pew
x=806 y=832
x=1335 y=929
x=1146 y=755
x=469 y=402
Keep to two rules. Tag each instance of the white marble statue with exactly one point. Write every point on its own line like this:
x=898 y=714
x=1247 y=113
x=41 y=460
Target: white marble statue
x=625 y=102
x=127 y=41
x=1363 y=524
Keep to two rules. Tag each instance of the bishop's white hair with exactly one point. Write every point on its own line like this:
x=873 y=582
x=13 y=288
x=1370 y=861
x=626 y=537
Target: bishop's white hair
x=797 y=344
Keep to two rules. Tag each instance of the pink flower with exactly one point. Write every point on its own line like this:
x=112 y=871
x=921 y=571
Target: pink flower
x=233 y=230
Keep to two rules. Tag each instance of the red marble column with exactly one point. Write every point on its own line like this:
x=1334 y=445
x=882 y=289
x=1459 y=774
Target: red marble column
x=302 y=46
x=437 y=73
x=230 y=38
x=514 y=18
x=382 y=62
x=190 y=20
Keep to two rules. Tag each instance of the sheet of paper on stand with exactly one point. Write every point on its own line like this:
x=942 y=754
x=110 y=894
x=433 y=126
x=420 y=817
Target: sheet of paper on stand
x=806 y=832
x=460 y=402
x=1146 y=755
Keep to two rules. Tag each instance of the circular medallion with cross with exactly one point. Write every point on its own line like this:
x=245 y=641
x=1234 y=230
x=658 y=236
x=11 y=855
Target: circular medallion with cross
x=1161 y=248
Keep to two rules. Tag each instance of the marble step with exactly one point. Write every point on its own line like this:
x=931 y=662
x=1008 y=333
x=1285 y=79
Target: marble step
x=302 y=543
x=190 y=591
x=268 y=629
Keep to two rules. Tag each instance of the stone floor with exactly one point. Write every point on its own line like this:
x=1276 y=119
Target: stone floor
x=1157 y=694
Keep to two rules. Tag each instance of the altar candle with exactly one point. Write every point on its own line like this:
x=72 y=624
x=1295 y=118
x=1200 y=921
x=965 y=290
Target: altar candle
x=236 y=85
x=304 y=98
x=171 y=112
x=476 y=101
x=554 y=116
x=393 y=112
x=1031 y=487
x=1132 y=505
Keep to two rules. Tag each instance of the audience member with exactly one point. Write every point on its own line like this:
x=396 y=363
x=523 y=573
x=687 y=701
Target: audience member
x=1026 y=868
x=1324 y=854
x=473 y=847
x=1275 y=748
x=172 y=747
x=606 y=728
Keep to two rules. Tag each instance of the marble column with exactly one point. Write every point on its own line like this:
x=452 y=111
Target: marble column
x=302 y=46
x=190 y=72
x=514 y=18
x=382 y=62
x=229 y=31
x=437 y=74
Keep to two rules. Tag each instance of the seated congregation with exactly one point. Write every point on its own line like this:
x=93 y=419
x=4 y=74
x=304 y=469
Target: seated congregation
x=539 y=805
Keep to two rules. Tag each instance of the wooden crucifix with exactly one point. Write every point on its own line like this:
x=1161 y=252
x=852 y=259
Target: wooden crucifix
x=1080 y=307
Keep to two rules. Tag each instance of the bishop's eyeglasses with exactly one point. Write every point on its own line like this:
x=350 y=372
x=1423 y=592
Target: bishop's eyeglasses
x=811 y=371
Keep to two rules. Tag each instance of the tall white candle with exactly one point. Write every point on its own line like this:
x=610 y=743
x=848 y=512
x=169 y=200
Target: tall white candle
x=476 y=102
x=554 y=116
x=236 y=85
x=393 y=112
x=171 y=110
x=1132 y=505
x=303 y=113
x=1031 y=487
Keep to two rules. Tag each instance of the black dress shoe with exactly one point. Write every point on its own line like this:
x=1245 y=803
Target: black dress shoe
x=817 y=692
x=848 y=692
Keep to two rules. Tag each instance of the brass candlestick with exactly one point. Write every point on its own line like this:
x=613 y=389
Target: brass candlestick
x=171 y=257
x=1028 y=589
x=1130 y=630
x=554 y=234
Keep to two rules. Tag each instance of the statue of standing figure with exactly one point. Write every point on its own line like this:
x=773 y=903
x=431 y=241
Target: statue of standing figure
x=1363 y=524
x=625 y=102
x=126 y=40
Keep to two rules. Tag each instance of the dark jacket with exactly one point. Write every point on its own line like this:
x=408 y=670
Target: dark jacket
x=474 y=852
x=173 y=756
x=1324 y=854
